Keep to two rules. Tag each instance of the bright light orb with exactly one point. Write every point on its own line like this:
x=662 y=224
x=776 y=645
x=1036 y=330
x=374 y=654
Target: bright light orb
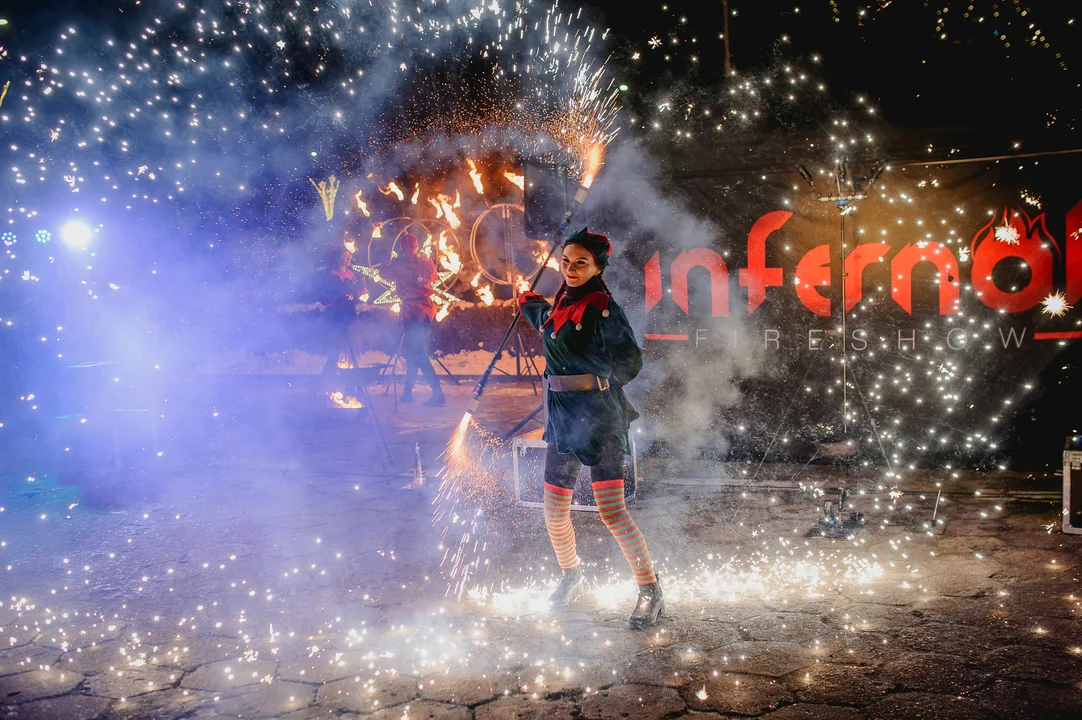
x=76 y=234
x=43 y=236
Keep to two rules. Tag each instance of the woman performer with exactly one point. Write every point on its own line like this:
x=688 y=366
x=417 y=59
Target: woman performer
x=590 y=354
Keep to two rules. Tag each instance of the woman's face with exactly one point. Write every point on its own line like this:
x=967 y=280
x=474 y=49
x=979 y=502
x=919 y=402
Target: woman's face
x=578 y=265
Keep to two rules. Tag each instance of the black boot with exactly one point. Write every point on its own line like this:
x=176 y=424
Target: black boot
x=407 y=396
x=650 y=605
x=570 y=585
x=437 y=400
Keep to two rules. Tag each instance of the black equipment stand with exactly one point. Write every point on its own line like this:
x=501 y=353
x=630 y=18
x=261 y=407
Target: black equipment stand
x=355 y=377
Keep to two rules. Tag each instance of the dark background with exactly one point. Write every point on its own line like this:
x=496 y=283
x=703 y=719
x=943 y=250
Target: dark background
x=966 y=95
x=891 y=52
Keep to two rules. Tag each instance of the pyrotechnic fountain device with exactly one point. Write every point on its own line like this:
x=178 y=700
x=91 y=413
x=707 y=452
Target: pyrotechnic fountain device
x=1072 y=486
x=834 y=522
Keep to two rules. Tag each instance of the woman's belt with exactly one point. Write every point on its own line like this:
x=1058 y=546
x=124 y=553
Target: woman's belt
x=576 y=383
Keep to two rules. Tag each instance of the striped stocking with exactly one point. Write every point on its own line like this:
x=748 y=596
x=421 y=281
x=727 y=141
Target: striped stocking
x=609 y=495
x=558 y=523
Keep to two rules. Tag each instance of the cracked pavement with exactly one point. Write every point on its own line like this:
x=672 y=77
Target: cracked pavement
x=280 y=567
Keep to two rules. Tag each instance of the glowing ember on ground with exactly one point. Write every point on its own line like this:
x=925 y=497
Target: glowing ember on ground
x=345 y=401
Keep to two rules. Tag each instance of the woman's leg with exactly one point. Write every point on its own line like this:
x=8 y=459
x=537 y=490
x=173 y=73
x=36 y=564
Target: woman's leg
x=561 y=473
x=608 y=485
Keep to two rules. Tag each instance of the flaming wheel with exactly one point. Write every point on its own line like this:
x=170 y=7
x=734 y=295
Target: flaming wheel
x=438 y=241
x=499 y=244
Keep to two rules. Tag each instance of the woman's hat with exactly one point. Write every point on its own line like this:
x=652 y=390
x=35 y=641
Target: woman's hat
x=596 y=243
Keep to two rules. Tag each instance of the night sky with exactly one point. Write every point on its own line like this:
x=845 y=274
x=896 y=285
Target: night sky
x=924 y=64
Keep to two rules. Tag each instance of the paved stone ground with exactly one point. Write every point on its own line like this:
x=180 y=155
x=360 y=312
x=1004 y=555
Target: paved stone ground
x=277 y=568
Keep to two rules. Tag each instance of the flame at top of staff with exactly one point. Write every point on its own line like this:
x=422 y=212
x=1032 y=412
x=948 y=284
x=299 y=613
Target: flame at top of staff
x=594 y=158
x=449 y=259
x=392 y=188
x=515 y=179
x=542 y=252
x=361 y=204
x=444 y=209
x=475 y=175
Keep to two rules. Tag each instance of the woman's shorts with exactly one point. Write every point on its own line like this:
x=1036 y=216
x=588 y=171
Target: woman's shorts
x=563 y=470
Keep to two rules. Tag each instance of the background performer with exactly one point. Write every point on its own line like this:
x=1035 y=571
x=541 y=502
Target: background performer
x=590 y=353
x=413 y=276
x=339 y=291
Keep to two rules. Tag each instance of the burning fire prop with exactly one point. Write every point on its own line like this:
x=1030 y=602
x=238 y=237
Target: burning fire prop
x=518 y=181
x=361 y=204
x=475 y=176
x=443 y=196
x=342 y=400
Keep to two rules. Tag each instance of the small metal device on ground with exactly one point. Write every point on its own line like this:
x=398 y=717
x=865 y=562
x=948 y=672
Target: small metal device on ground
x=528 y=463
x=835 y=522
x=1072 y=485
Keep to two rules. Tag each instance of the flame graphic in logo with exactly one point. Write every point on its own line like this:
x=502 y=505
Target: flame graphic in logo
x=1014 y=235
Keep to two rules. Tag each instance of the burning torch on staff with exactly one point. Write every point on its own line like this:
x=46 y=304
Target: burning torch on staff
x=593 y=163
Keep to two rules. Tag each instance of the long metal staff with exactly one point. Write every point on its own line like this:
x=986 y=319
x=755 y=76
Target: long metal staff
x=479 y=389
